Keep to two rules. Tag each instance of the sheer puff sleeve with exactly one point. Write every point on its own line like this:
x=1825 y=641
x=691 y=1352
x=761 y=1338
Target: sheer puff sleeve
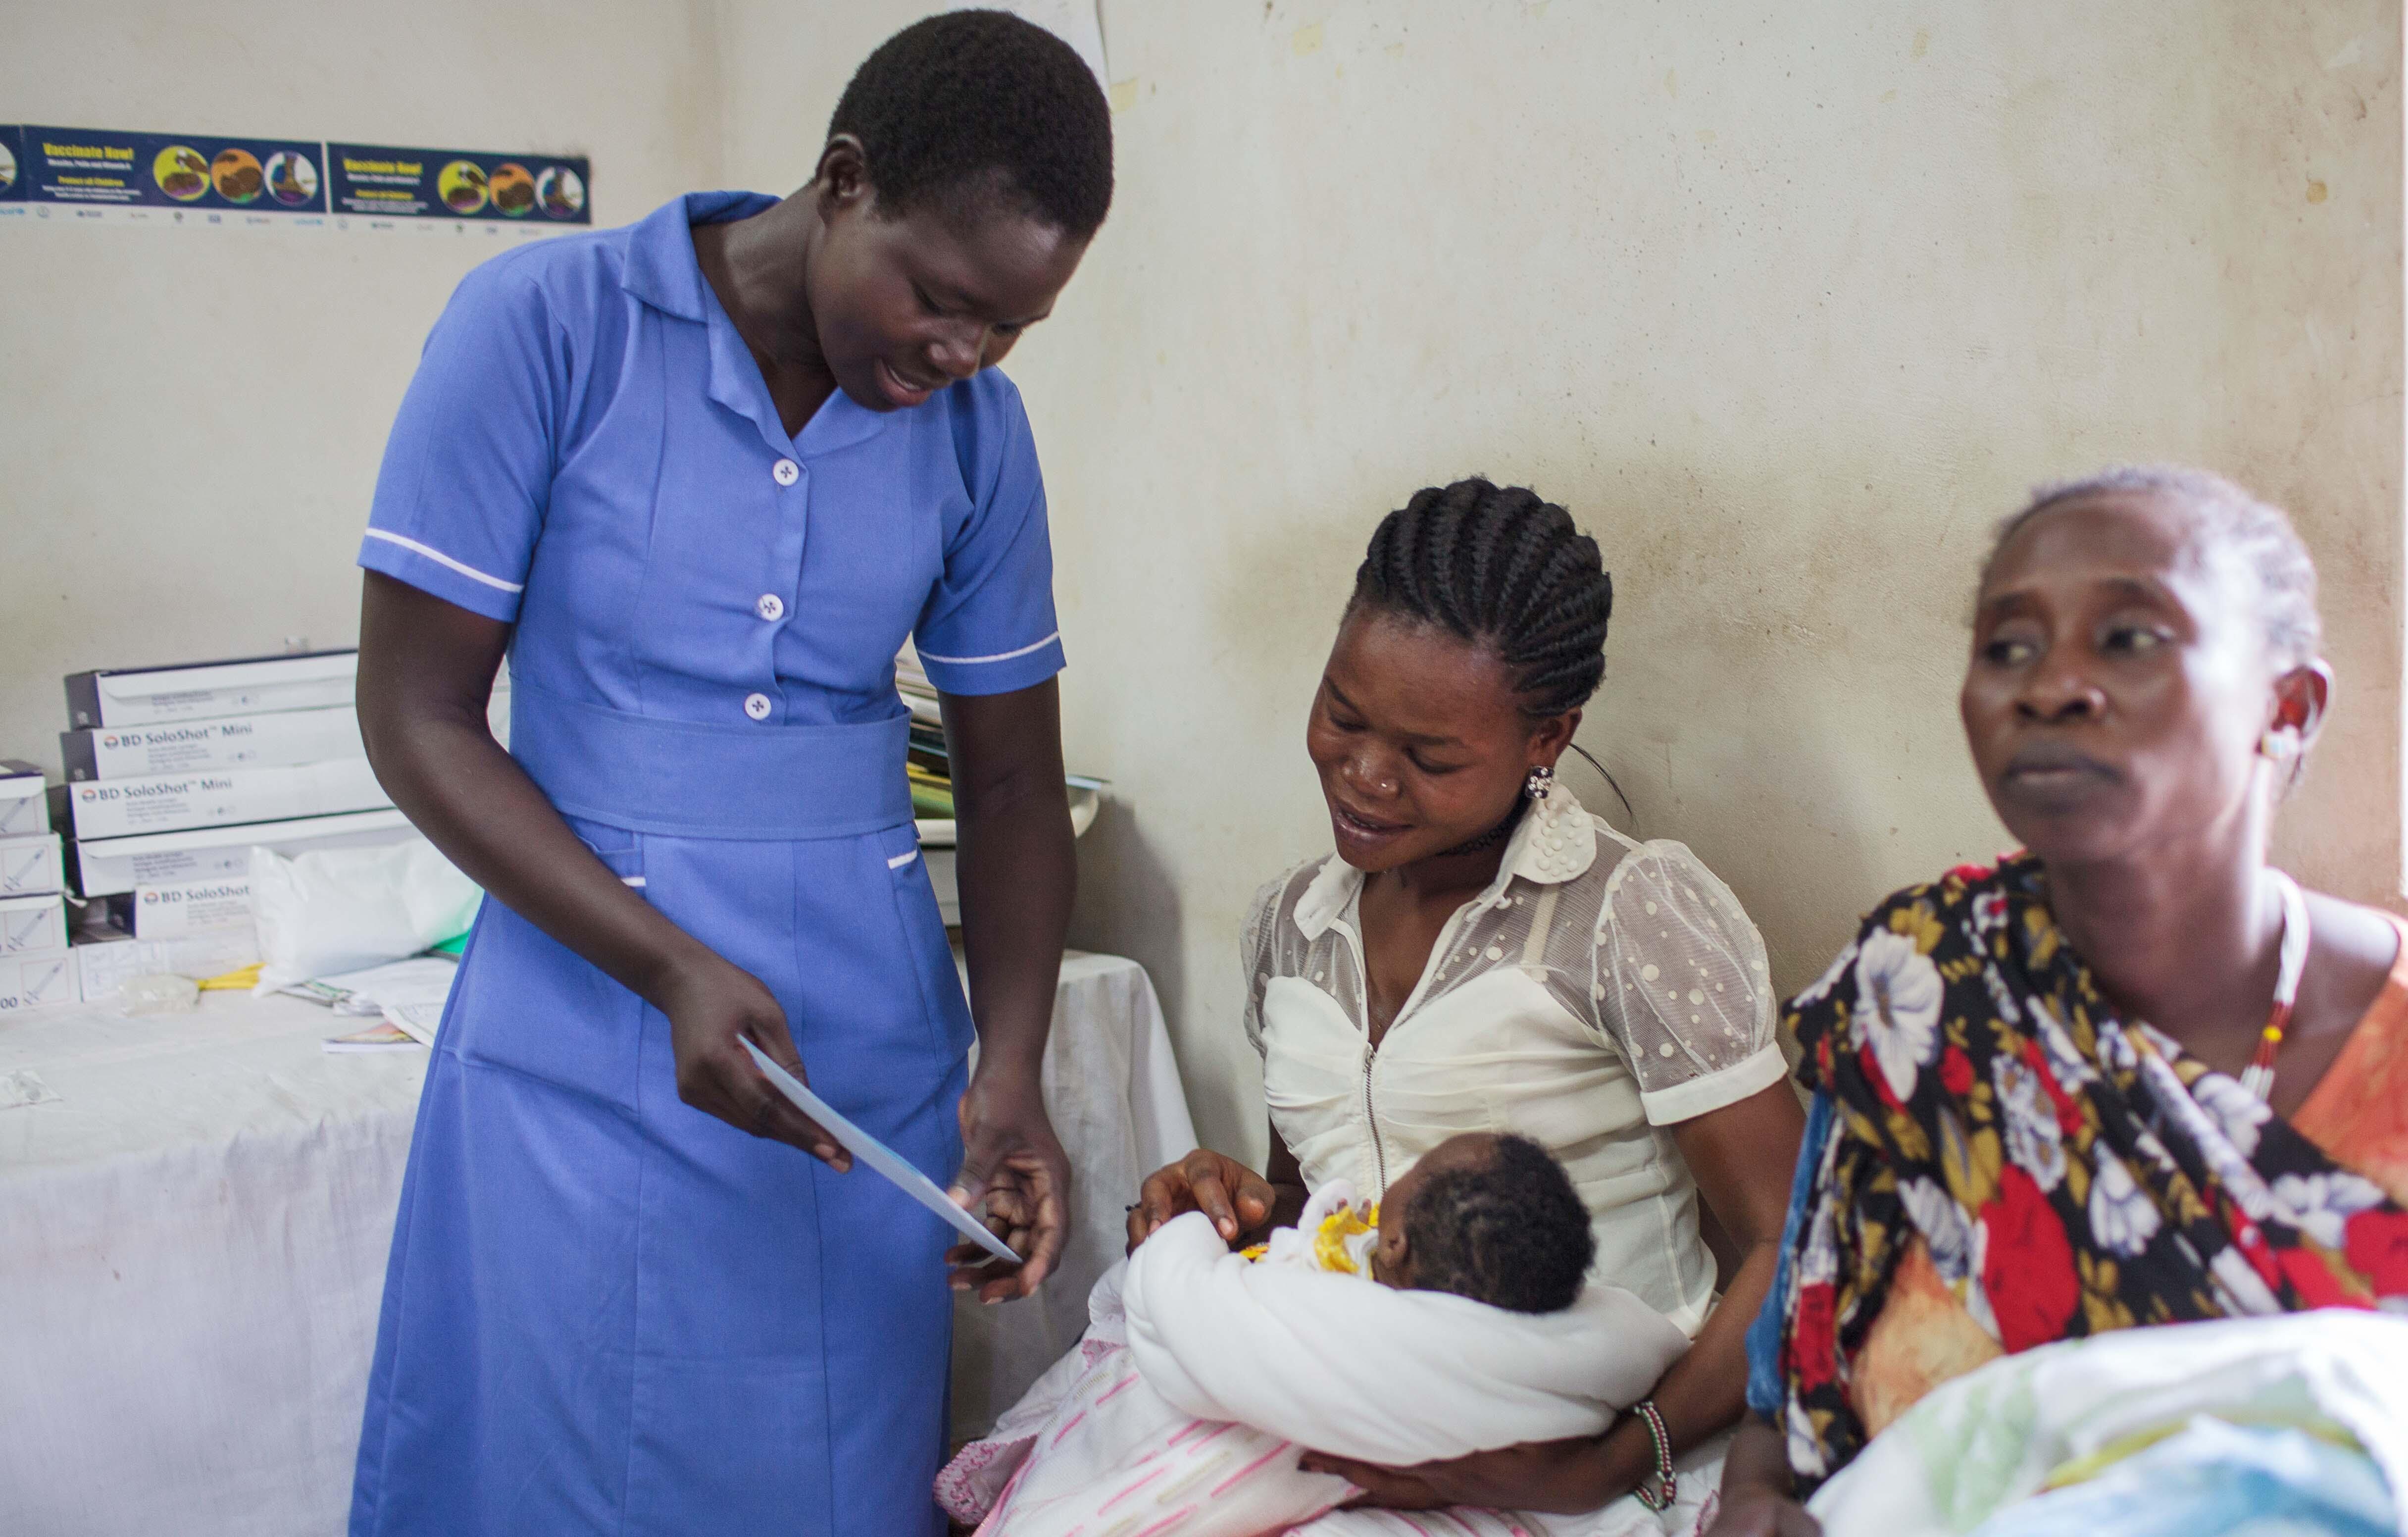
x=1255 y=949
x=1683 y=988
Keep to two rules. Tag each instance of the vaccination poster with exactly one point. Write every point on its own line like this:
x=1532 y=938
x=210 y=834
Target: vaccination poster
x=204 y=181
x=176 y=177
x=382 y=183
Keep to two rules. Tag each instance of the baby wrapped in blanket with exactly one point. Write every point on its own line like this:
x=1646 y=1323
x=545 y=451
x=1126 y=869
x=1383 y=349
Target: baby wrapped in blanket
x=1451 y=1320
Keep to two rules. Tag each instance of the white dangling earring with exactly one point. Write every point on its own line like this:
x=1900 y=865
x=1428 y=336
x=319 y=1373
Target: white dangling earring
x=1541 y=779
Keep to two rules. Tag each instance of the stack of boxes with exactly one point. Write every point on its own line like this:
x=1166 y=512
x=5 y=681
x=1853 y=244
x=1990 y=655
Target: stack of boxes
x=174 y=775
x=34 y=965
x=928 y=768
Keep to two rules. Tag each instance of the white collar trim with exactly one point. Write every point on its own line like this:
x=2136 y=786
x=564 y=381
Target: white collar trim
x=1556 y=843
x=1333 y=887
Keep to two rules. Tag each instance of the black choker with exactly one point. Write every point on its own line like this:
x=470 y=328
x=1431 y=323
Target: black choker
x=1490 y=839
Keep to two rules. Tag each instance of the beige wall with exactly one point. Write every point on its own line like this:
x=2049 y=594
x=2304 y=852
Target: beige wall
x=1787 y=303
x=190 y=422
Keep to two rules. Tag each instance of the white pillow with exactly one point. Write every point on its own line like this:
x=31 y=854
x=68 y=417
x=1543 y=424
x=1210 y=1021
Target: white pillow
x=331 y=910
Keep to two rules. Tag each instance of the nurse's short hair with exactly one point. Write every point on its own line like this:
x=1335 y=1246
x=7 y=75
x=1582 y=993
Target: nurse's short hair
x=2226 y=522
x=976 y=101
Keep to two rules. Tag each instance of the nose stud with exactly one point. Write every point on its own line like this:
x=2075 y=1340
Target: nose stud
x=1370 y=779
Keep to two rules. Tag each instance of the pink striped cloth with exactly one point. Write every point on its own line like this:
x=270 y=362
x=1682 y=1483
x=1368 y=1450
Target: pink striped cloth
x=1196 y=1429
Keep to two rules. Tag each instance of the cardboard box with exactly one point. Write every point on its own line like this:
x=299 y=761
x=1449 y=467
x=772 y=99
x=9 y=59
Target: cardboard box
x=128 y=807
x=102 y=966
x=276 y=740
x=29 y=866
x=199 y=691
x=29 y=924
x=31 y=981
x=108 y=867
x=186 y=911
x=239 y=741
x=24 y=808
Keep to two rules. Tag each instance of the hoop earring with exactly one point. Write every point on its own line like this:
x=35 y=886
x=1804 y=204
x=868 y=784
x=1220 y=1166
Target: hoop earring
x=1541 y=779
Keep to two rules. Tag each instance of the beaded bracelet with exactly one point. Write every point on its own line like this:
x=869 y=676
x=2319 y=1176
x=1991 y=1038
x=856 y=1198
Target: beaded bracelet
x=1667 y=1487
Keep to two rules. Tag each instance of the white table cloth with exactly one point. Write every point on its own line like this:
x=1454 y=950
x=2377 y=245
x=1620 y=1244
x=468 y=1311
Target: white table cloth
x=192 y=1243
x=1113 y=1094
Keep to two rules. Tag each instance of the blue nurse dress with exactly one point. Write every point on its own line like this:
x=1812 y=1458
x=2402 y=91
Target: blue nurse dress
x=605 y=1311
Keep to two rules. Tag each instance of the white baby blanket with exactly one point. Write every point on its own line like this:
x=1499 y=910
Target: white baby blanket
x=1348 y=1366
x=1203 y=1379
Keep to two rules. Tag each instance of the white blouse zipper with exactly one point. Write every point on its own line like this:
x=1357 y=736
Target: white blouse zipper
x=1363 y=974
x=1371 y=1119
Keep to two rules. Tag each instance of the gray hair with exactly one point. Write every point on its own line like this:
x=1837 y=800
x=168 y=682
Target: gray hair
x=2224 y=521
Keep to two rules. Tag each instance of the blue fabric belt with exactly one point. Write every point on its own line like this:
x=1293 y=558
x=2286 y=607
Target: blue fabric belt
x=691 y=780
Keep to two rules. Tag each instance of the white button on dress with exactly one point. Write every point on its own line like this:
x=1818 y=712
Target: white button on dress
x=757 y=706
x=786 y=472
x=771 y=607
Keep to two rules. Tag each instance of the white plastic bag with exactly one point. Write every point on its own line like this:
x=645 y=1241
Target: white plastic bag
x=340 y=910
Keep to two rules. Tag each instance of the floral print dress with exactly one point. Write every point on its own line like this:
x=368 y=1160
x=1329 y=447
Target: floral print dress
x=1995 y=1160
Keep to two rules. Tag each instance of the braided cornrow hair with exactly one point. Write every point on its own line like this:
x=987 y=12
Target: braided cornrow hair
x=1501 y=568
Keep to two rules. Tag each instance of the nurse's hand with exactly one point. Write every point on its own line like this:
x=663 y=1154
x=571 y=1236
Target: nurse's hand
x=1238 y=1200
x=1011 y=1161
x=712 y=1007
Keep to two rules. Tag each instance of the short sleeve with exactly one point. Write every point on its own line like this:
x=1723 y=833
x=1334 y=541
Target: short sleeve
x=467 y=469
x=1683 y=987
x=989 y=626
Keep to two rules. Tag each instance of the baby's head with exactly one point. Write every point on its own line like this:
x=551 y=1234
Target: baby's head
x=1491 y=1218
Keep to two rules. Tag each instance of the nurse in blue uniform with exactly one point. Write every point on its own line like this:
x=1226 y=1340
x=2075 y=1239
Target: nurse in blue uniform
x=700 y=478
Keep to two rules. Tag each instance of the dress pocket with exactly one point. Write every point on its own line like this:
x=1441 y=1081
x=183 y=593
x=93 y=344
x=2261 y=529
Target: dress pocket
x=525 y=1002
x=621 y=849
x=931 y=952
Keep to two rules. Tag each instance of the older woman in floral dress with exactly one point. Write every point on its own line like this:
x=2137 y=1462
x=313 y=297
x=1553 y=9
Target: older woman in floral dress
x=2132 y=1076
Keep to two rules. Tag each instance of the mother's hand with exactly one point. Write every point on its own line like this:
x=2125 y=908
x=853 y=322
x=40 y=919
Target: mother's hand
x=1565 y=1477
x=1238 y=1200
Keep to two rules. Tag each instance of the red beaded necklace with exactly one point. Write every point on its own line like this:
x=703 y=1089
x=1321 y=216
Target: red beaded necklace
x=2259 y=1076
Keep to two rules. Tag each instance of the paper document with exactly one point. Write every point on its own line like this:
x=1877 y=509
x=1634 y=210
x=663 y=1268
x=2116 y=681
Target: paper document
x=419 y=985
x=869 y=1150
x=418 y=1021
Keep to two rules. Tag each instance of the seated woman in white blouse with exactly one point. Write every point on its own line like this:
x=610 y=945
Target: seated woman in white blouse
x=1482 y=954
